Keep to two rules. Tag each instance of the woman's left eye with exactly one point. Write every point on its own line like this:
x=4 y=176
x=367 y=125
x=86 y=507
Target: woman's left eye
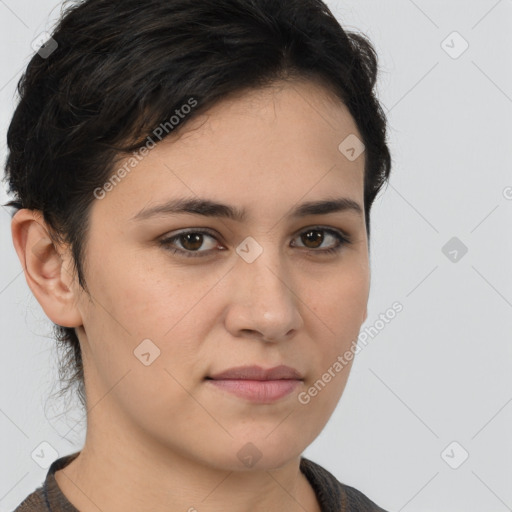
x=191 y=241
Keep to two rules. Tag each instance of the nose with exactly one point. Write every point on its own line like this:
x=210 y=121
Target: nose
x=265 y=301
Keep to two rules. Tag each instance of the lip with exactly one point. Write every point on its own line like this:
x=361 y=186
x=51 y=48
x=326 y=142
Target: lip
x=257 y=384
x=258 y=373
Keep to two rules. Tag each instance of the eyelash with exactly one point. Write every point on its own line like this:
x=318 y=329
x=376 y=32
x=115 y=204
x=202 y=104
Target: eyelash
x=342 y=240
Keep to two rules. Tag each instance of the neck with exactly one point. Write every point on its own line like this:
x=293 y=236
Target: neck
x=117 y=471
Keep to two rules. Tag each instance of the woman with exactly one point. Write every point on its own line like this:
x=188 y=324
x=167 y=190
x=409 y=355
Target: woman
x=193 y=184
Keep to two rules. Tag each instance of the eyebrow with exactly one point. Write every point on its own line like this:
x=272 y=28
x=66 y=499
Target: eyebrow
x=209 y=208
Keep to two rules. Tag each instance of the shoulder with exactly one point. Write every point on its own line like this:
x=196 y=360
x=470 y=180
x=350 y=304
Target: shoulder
x=33 y=502
x=48 y=497
x=357 y=501
x=334 y=495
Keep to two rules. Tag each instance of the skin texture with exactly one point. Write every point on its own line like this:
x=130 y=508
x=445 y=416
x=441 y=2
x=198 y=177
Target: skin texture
x=160 y=437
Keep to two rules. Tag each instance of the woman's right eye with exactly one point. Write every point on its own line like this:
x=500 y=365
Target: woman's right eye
x=190 y=241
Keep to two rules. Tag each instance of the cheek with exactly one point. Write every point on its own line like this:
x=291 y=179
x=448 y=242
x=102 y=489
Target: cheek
x=339 y=299
x=151 y=297
x=148 y=313
x=335 y=325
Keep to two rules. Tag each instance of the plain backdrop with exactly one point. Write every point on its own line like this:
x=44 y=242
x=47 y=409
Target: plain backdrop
x=424 y=423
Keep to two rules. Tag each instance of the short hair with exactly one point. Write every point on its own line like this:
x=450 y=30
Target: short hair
x=116 y=69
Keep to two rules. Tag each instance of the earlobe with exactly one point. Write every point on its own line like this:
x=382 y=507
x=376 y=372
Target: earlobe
x=46 y=270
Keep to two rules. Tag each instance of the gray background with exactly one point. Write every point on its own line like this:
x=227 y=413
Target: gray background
x=440 y=371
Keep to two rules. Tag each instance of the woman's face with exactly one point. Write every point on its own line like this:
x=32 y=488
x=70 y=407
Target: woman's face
x=259 y=291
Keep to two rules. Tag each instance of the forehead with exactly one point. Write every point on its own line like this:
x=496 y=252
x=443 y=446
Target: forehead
x=261 y=147
x=293 y=105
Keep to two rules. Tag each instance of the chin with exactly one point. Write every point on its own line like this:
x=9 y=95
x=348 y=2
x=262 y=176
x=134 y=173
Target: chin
x=253 y=453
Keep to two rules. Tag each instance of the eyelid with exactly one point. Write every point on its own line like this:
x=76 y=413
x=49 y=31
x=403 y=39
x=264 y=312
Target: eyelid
x=342 y=238
x=325 y=228
x=215 y=234
x=166 y=240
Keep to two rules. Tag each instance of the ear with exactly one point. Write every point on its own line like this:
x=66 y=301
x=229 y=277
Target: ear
x=47 y=268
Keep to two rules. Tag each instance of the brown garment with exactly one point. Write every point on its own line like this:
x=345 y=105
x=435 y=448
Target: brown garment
x=332 y=495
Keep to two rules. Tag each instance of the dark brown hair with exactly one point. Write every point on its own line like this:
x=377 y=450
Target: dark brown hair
x=116 y=69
